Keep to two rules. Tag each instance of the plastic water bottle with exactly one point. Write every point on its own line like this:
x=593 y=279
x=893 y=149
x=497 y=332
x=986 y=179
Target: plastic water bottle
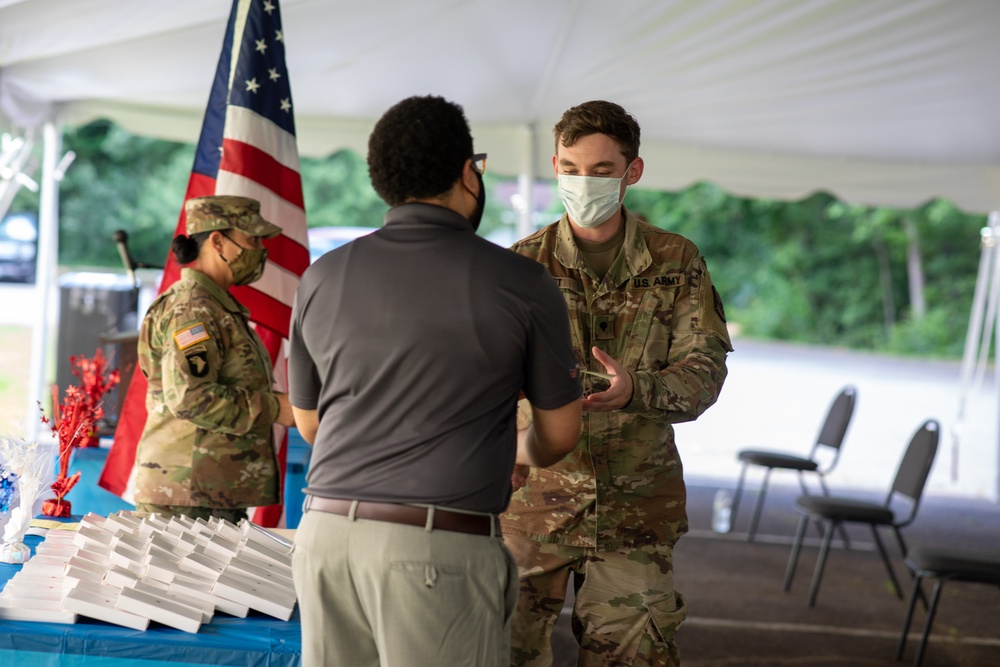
x=721 y=511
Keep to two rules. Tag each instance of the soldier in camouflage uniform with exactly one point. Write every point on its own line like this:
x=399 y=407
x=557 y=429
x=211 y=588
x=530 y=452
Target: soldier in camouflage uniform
x=207 y=447
x=645 y=317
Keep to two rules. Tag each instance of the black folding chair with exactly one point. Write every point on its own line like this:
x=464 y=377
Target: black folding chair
x=827 y=446
x=943 y=564
x=907 y=488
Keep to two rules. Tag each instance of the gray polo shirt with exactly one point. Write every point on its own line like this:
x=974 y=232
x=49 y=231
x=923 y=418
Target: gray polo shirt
x=412 y=343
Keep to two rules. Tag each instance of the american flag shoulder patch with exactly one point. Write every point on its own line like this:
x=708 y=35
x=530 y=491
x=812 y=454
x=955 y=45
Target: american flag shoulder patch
x=191 y=335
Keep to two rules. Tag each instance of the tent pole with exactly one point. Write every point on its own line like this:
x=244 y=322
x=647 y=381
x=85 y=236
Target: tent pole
x=994 y=221
x=15 y=163
x=978 y=334
x=46 y=278
x=526 y=183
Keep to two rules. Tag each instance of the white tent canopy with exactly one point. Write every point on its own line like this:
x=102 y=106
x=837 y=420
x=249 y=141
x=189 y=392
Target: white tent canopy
x=889 y=102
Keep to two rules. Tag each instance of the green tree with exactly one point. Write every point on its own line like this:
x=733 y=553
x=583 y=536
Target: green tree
x=337 y=192
x=120 y=181
x=824 y=272
x=817 y=270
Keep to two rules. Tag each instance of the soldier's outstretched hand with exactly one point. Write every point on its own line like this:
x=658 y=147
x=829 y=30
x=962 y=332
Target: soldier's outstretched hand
x=615 y=397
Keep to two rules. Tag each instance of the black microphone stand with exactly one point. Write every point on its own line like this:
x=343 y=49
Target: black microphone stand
x=120 y=237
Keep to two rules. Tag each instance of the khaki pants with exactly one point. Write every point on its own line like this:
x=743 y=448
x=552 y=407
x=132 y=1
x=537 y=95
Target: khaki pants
x=374 y=593
x=626 y=610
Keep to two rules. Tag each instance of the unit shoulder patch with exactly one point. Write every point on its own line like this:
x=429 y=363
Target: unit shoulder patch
x=197 y=361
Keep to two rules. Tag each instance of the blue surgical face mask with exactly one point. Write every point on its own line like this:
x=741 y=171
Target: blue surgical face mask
x=590 y=200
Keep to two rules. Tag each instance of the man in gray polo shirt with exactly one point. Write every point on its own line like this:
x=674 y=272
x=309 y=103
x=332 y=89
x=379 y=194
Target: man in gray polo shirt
x=409 y=348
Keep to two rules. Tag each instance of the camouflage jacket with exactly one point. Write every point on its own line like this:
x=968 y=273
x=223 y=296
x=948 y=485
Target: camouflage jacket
x=208 y=436
x=657 y=313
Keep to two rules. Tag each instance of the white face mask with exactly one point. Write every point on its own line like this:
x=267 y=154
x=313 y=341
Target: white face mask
x=590 y=200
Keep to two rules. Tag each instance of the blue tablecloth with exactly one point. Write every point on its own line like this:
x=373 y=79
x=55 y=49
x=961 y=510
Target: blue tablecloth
x=257 y=641
x=87 y=496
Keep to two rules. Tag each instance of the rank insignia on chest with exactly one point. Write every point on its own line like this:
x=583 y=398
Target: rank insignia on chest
x=604 y=327
x=197 y=363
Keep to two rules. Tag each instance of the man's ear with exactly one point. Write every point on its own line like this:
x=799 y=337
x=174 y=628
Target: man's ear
x=469 y=176
x=635 y=171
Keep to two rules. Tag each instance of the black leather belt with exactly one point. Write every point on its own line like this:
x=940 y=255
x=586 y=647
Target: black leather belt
x=476 y=524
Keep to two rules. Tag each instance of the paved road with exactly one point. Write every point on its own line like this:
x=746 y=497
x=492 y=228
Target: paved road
x=777 y=396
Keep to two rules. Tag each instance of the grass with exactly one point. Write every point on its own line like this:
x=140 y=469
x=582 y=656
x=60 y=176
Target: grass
x=15 y=353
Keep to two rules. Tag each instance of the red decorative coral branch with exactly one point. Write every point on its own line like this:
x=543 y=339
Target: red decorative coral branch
x=94 y=384
x=74 y=422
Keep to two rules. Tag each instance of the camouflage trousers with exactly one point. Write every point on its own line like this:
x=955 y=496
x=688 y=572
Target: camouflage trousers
x=625 y=608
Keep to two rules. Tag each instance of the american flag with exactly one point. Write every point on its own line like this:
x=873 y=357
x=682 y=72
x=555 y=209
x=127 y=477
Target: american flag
x=190 y=336
x=247 y=147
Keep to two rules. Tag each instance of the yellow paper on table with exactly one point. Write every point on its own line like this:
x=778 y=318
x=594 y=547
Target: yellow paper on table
x=49 y=524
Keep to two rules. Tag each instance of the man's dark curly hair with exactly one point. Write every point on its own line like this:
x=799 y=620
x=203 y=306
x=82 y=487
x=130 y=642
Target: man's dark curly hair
x=418 y=148
x=599 y=117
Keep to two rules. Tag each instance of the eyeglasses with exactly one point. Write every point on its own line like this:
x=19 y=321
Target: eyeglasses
x=256 y=242
x=479 y=163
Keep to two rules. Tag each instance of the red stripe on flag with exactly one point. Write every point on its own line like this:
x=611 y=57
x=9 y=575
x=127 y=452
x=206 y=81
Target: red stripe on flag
x=270 y=515
x=270 y=312
x=121 y=457
x=287 y=253
x=261 y=167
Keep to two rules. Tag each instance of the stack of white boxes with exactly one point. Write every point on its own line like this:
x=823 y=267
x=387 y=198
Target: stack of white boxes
x=130 y=570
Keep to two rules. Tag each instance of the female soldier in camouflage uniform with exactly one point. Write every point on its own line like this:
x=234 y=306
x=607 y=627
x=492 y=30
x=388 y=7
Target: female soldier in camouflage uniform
x=207 y=448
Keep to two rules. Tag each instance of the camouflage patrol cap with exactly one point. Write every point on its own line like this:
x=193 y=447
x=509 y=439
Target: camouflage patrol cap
x=218 y=212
